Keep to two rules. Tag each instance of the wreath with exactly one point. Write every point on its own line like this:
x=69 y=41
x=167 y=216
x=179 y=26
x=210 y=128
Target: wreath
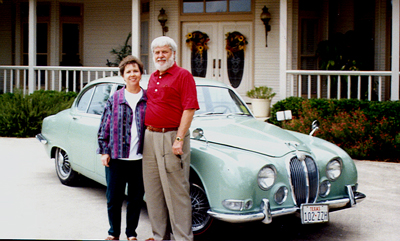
x=235 y=42
x=197 y=41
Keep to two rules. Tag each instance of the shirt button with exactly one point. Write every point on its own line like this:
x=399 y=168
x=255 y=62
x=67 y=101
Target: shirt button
x=156 y=90
x=159 y=77
x=158 y=83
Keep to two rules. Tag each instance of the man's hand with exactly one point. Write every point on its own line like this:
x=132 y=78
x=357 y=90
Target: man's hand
x=177 y=147
x=105 y=160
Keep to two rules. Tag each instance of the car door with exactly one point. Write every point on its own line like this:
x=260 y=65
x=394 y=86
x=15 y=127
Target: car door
x=83 y=130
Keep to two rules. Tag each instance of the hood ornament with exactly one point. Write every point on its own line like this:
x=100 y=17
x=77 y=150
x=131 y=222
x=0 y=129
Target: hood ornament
x=293 y=145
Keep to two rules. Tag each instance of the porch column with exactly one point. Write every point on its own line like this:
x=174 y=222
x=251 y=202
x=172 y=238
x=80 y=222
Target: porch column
x=32 y=46
x=136 y=28
x=282 y=48
x=395 y=50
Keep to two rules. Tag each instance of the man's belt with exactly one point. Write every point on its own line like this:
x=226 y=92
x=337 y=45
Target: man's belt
x=163 y=130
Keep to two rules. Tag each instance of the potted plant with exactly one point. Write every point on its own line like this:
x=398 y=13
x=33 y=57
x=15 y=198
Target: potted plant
x=261 y=100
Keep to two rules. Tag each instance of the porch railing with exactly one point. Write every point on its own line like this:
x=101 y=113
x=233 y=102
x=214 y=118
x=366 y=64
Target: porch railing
x=52 y=77
x=368 y=85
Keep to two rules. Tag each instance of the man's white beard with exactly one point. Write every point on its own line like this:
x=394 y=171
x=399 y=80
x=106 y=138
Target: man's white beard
x=165 y=66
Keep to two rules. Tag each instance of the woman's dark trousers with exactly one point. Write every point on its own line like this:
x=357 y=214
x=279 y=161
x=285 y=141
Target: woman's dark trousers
x=118 y=175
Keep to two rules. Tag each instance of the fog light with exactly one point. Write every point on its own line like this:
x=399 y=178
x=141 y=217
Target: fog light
x=281 y=195
x=237 y=205
x=324 y=188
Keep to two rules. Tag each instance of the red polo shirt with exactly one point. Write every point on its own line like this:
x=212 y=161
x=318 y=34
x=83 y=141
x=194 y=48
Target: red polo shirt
x=168 y=96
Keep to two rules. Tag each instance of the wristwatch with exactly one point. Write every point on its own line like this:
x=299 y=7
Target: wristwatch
x=178 y=138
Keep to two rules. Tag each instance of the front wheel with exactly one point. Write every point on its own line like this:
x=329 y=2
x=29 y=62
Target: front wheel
x=201 y=221
x=64 y=170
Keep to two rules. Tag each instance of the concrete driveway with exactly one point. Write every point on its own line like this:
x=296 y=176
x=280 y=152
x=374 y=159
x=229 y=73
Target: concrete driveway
x=35 y=205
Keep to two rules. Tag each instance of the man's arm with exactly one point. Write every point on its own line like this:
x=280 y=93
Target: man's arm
x=184 y=126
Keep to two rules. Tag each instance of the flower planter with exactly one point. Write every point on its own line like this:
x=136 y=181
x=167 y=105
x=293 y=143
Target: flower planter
x=261 y=107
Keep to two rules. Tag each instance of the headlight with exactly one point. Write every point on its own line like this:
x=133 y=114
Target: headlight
x=281 y=195
x=266 y=177
x=334 y=169
x=324 y=188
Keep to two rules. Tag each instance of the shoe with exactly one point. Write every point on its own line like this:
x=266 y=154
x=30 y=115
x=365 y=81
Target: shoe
x=110 y=237
x=132 y=238
x=150 y=239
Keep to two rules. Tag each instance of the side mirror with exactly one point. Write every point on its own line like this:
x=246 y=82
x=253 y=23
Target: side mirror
x=314 y=127
x=198 y=133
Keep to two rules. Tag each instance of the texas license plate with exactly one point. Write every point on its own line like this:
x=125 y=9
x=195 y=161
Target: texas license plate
x=314 y=213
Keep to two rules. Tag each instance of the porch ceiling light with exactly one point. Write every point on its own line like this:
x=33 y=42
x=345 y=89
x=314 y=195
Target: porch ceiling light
x=265 y=17
x=162 y=18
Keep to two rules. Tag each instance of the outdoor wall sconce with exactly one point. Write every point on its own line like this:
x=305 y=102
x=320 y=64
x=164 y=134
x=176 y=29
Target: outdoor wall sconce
x=265 y=17
x=162 y=18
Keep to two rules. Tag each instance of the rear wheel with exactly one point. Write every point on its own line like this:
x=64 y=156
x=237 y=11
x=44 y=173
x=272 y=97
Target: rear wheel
x=64 y=170
x=201 y=221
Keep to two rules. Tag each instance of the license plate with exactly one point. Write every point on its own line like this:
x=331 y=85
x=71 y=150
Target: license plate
x=314 y=213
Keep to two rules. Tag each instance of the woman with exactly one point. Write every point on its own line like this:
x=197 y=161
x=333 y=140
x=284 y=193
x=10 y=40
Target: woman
x=120 y=137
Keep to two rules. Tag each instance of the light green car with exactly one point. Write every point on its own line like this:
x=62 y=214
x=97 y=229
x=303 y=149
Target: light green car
x=243 y=169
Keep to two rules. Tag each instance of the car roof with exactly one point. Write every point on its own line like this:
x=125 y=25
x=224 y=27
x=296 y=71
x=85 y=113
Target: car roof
x=145 y=78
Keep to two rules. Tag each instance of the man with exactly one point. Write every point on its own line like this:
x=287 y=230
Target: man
x=172 y=101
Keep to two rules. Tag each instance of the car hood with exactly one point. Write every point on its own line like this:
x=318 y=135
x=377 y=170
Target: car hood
x=248 y=133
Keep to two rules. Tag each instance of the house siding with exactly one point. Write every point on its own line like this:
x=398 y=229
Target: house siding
x=106 y=27
x=266 y=59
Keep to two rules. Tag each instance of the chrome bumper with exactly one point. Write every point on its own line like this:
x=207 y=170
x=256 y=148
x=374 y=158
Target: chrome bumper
x=266 y=215
x=42 y=139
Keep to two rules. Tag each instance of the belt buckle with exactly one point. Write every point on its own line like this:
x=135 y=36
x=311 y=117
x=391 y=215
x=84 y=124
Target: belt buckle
x=163 y=130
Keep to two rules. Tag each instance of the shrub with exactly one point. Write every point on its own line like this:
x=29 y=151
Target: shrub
x=366 y=130
x=22 y=116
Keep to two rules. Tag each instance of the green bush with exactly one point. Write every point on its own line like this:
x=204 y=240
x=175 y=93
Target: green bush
x=22 y=116
x=365 y=129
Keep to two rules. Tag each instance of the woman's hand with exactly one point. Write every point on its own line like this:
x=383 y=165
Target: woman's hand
x=105 y=159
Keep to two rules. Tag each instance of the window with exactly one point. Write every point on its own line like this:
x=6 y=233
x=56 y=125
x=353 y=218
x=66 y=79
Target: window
x=85 y=100
x=99 y=99
x=216 y=6
x=94 y=99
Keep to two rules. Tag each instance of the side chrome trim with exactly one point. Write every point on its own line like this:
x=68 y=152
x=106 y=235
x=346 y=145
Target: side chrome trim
x=42 y=139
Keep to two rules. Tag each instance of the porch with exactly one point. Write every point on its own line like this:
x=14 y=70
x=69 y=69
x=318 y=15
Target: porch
x=362 y=85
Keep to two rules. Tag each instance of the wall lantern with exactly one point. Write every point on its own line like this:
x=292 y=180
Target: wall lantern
x=265 y=17
x=162 y=18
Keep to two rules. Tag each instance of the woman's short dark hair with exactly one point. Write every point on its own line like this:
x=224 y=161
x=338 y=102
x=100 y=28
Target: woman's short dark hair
x=130 y=60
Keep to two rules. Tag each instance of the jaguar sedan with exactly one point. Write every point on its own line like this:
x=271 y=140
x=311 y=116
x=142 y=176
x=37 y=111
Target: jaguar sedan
x=242 y=169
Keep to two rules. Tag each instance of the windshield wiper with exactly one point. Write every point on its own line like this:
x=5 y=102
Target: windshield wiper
x=208 y=113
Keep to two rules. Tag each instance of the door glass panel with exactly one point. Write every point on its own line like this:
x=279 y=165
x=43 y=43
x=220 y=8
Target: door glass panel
x=216 y=6
x=239 y=5
x=100 y=98
x=193 y=6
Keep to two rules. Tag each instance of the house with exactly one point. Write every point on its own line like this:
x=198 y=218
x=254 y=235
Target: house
x=39 y=39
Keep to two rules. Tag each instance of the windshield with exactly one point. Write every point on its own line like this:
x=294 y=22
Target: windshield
x=216 y=100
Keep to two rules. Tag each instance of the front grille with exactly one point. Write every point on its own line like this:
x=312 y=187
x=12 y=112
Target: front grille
x=304 y=178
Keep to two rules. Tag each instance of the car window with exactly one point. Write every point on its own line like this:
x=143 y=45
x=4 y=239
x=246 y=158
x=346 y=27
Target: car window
x=100 y=97
x=84 y=100
x=216 y=100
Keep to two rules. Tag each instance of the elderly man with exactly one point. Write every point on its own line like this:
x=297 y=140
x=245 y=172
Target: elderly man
x=172 y=101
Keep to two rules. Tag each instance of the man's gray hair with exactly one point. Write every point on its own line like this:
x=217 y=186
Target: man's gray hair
x=164 y=41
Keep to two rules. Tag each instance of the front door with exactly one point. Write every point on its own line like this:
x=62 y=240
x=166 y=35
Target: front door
x=230 y=67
